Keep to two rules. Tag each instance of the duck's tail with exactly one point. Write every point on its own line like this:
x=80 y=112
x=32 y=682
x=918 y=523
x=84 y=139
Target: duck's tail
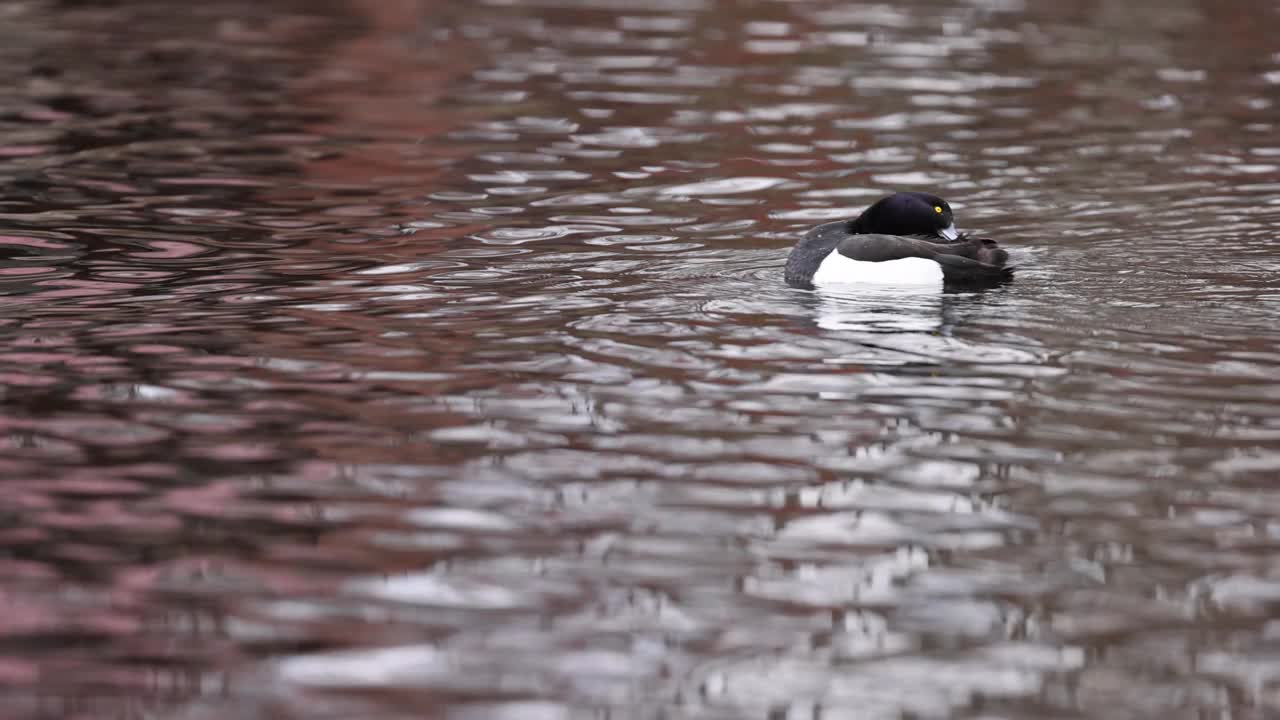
x=982 y=249
x=992 y=254
x=957 y=270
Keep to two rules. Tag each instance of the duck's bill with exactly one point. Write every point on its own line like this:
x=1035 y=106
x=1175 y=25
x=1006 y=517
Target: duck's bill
x=949 y=232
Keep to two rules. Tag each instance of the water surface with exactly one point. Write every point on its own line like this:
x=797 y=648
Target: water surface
x=427 y=359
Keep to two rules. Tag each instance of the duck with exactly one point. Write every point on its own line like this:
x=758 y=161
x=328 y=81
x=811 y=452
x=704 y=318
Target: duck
x=904 y=239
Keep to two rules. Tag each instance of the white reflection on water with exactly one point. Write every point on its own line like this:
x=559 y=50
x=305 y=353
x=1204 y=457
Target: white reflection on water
x=880 y=310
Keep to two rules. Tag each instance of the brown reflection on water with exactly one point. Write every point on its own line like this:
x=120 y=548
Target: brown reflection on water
x=419 y=359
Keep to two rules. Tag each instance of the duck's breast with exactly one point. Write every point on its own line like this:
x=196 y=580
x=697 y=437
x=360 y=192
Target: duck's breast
x=836 y=269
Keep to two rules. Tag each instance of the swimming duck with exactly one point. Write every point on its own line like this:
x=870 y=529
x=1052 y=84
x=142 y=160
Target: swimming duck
x=908 y=238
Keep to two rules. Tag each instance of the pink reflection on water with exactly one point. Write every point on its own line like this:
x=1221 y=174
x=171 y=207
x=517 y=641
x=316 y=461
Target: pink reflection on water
x=85 y=288
x=207 y=500
x=41 y=114
x=102 y=432
x=240 y=452
x=25 y=570
x=137 y=275
x=215 y=181
x=157 y=349
x=169 y=249
x=27 y=380
x=25 y=150
x=24 y=241
x=92 y=482
x=18 y=672
x=146 y=330
x=29 y=358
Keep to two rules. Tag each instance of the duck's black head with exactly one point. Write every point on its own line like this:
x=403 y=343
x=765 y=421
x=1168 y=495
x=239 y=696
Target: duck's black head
x=907 y=213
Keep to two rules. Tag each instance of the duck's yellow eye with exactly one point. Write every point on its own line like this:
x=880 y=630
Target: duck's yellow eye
x=937 y=209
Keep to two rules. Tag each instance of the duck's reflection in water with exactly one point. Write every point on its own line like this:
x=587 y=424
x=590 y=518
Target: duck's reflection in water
x=903 y=326
x=880 y=310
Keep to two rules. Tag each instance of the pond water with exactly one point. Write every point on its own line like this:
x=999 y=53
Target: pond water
x=418 y=359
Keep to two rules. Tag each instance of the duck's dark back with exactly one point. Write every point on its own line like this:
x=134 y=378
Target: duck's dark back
x=809 y=253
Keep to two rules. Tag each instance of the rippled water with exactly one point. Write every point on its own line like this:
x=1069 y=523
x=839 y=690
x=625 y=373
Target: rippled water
x=426 y=359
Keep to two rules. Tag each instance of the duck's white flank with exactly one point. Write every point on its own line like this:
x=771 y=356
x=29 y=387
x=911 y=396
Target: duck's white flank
x=836 y=269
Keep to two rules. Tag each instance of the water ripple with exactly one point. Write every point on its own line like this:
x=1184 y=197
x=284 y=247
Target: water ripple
x=356 y=363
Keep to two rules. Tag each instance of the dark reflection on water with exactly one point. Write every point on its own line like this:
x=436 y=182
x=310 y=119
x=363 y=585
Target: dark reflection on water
x=415 y=359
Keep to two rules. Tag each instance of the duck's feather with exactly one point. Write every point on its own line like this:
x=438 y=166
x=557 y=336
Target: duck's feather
x=808 y=254
x=967 y=260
